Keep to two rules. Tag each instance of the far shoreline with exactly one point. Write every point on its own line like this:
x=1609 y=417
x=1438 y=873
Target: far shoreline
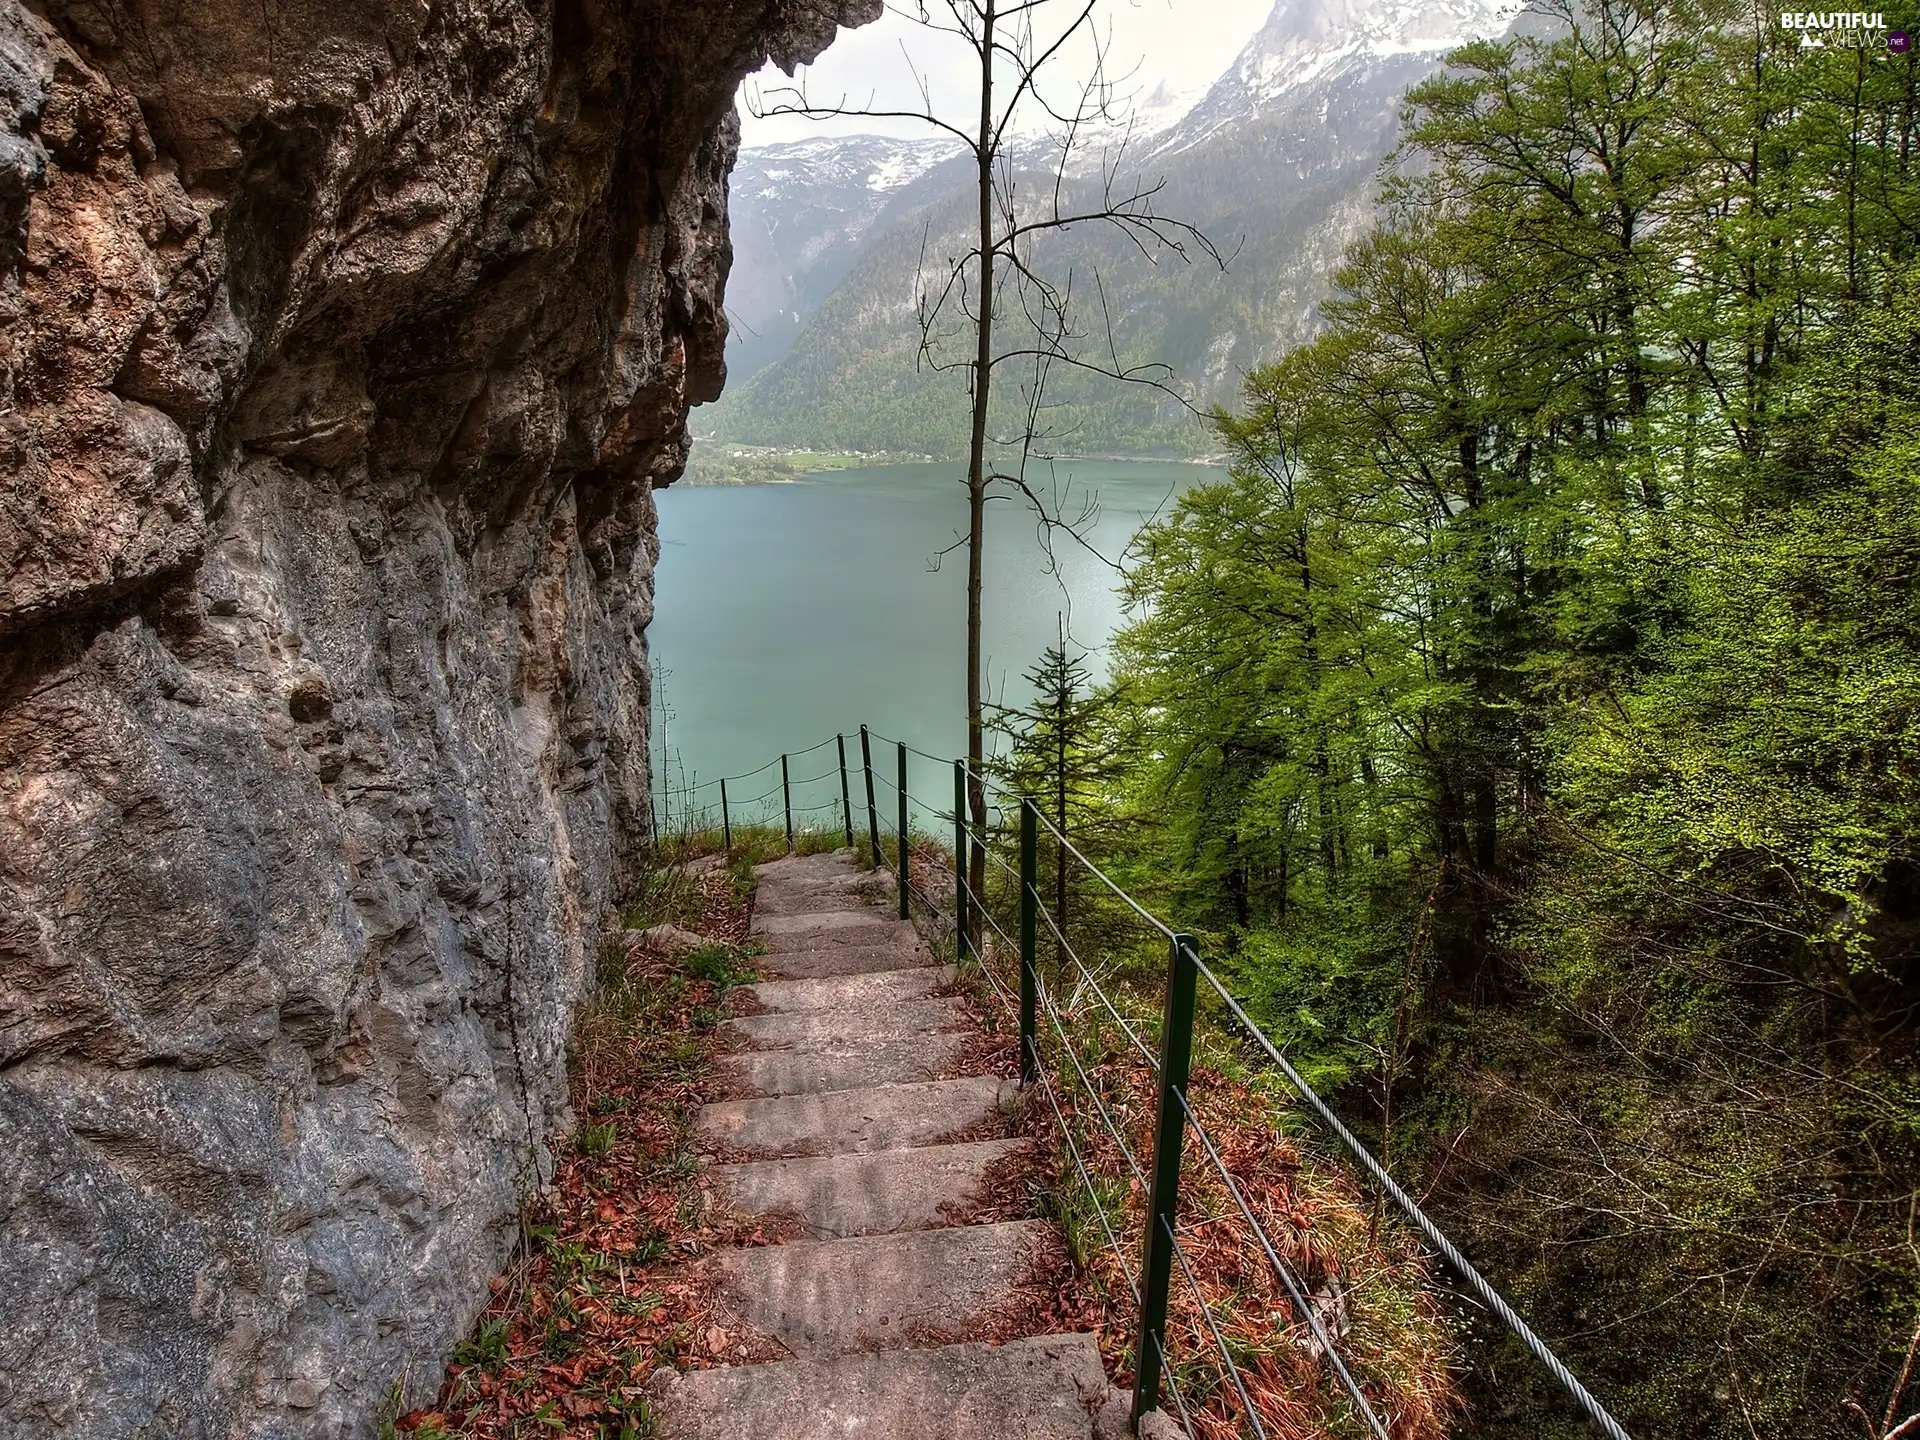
x=741 y=464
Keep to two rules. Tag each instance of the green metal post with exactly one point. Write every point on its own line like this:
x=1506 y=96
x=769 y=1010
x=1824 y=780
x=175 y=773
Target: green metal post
x=904 y=876
x=846 y=803
x=726 y=822
x=1156 y=1264
x=959 y=860
x=786 y=798
x=1029 y=922
x=873 y=814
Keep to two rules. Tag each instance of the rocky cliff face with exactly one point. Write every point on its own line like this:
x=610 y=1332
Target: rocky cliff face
x=341 y=345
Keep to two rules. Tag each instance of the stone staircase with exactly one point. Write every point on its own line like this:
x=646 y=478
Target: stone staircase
x=848 y=1132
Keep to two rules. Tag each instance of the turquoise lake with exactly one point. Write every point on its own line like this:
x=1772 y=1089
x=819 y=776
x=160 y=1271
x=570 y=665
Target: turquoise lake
x=787 y=613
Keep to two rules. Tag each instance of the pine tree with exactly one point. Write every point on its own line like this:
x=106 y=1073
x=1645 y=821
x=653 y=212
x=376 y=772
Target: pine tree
x=1060 y=752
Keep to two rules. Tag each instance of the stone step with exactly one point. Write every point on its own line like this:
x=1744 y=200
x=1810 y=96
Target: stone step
x=841 y=960
x=837 y=1196
x=831 y=929
x=849 y=1138
x=1044 y=1388
x=793 y=887
x=887 y=1117
x=871 y=991
x=821 y=865
x=812 y=1029
x=903 y=1059
x=833 y=1297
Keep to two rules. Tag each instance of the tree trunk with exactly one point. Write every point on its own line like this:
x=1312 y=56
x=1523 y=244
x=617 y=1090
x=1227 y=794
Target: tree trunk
x=976 y=861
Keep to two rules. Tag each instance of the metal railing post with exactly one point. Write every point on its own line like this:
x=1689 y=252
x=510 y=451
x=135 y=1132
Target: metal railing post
x=846 y=802
x=1029 y=923
x=726 y=821
x=873 y=815
x=1156 y=1264
x=786 y=798
x=905 y=878
x=959 y=860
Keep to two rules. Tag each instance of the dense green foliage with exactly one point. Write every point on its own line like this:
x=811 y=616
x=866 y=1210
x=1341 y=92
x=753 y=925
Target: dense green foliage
x=1058 y=750
x=1532 y=721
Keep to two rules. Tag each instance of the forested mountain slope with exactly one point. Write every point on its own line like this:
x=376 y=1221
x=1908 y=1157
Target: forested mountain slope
x=800 y=215
x=1278 y=164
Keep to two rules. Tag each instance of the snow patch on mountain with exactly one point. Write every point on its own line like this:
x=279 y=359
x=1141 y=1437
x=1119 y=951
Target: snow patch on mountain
x=1306 y=47
x=1279 y=151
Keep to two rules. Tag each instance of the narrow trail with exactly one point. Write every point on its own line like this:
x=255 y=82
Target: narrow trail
x=846 y=1134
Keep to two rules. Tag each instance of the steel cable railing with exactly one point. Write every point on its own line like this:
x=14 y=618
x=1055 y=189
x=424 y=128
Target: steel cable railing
x=1092 y=869
x=1100 y=994
x=1474 y=1279
x=1085 y=1172
x=1113 y=1130
x=1006 y=995
x=968 y=910
x=1113 y=1241
x=888 y=740
x=1093 y=1094
x=749 y=774
x=812 y=780
x=1213 y=1327
x=730 y=804
x=1067 y=1049
x=1296 y=1293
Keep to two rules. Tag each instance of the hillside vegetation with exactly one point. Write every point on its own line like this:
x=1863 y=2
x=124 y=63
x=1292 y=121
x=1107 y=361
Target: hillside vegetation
x=1532 y=721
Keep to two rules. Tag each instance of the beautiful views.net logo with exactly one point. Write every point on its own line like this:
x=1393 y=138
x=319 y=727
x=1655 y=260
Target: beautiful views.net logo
x=1847 y=29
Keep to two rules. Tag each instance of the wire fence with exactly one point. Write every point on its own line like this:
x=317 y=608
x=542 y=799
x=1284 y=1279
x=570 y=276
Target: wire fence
x=993 y=915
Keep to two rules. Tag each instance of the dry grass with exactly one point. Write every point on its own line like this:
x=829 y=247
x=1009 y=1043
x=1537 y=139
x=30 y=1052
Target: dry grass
x=1369 y=1285
x=1368 y=1288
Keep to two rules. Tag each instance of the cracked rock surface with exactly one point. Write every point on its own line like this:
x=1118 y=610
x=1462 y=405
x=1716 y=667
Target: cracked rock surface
x=342 y=345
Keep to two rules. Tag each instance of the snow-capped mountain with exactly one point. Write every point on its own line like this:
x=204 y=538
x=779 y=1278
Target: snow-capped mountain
x=800 y=214
x=1277 y=159
x=1307 y=48
x=1300 y=43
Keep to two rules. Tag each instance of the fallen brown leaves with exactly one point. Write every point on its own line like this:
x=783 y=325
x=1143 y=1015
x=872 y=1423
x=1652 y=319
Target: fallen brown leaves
x=1367 y=1286
x=1367 y=1289
x=608 y=1285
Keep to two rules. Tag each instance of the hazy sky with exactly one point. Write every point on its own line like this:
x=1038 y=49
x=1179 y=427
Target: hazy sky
x=1180 y=43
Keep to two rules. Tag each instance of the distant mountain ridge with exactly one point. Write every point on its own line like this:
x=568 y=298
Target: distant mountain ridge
x=800 y=214
x=1277 y=161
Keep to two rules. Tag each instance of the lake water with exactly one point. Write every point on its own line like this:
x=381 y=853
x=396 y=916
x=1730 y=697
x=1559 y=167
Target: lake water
x=787 y=613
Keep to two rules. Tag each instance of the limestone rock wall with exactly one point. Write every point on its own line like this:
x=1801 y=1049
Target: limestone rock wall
x=342 y=343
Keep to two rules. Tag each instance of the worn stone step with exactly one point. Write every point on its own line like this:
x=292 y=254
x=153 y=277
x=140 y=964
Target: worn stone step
x=1043 y=1388
x=819 y=882
x=832 y=929
x=812 y=1029
x=886 y=1117
x=849 y=1139
x=832 y=1297
x=821 y=864
x=836 y=1196
x=841 y=960
x=901 y=1059
x=872 y=991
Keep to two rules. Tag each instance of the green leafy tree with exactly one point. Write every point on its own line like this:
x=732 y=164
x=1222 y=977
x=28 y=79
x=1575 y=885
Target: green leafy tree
x=1536 y=703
